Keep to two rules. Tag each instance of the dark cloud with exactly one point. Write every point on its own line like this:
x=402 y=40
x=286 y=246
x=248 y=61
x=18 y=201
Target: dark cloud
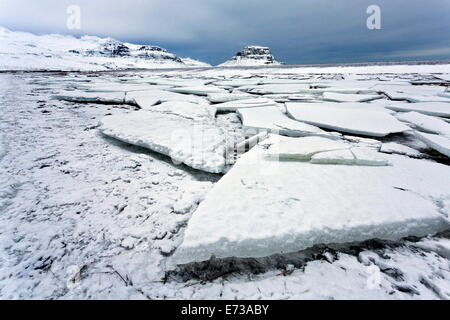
x=308 y=31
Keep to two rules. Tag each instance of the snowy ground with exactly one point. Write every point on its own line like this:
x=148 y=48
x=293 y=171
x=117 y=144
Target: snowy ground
x=86 y=216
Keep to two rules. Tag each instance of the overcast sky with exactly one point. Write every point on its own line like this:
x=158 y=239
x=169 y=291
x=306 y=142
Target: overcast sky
x=297 y=31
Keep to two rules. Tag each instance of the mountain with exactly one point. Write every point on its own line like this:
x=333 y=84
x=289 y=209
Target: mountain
x=252 y=56
x=195 y=63
x=26 y=51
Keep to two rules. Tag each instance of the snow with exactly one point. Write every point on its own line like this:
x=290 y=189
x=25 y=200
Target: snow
x=194 y=193
x=438 y=109
x=436 y=142
x=342 y=97
x=199 y=145
x=272 y=119
x=349 y=117
x=426 y=123
x=306 y=207
x=195 y=63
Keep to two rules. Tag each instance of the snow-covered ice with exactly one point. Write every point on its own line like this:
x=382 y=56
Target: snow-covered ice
x=393 y=147
x=426 y=123
x=198 y=90
x=226 y=97
x=438 y=109
x=272 y=119
x=352 y=118
x=306 y=206
x=436 y=142
x=246 y=103
x=343 y=97
x=85 y=216
x=199 y=145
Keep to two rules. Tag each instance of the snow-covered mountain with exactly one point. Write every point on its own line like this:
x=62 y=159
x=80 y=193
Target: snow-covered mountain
x=195 y=63
x=26 y=51
x=252 y=56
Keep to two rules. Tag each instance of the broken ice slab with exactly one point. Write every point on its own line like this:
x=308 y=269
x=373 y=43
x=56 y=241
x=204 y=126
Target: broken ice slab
x=436 y=142
x=439 y=109
x=322 y=150
x=177 y=82
x=241 y=104
x=426 y=123
x=199 y=90
x=198 y=144
x=348 y=97
x=251 y=212
x=355 y=118
x=187 y=110
x=368 y=157
x=235 y=83
x=277 y=88
x=95 y=97
x=273 y=119
x=149 y=98
x=393 y=147
x=342 y=156
x=284 y=148
x=226 y=97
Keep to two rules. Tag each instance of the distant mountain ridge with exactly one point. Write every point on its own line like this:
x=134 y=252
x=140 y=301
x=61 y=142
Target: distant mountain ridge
x=26 y=51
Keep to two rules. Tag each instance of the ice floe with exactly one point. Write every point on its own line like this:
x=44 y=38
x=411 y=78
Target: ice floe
x=436 y=142
x=426 y=123
x=284 y=148
x=198 y=90
x=397 y=148
x=226 y=97
x=272 y=119
x=241 y=104
x=439 y=109
x=253 y=213
x=198 y=144
x=146 y=99
x=95 y=97
x=343 y=97
x=352 y=118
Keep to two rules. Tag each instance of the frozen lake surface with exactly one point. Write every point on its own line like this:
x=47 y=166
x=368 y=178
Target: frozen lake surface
x=86 y=215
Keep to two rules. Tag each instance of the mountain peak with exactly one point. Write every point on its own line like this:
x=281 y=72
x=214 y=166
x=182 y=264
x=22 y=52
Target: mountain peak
x=252 y=55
